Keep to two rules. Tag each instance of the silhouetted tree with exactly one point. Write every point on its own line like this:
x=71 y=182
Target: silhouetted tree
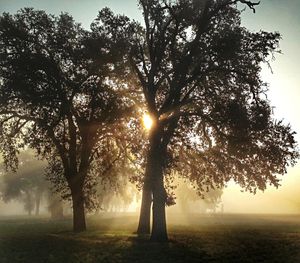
x=59 y=95
x=199 y=71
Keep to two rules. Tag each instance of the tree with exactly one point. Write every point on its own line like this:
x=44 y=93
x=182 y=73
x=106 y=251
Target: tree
x=55 y=206
x=59 y=94
x=27 y=185
x=116 y=189
x=186 y=196
x=199 y=71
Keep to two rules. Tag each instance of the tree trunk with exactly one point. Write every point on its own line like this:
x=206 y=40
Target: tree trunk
x=59 y=210
x=29 y=204
x=79 y=224
x=159 y=225
x=37 y=202
x=55 y=207
x=154 y=181
x=144 y=221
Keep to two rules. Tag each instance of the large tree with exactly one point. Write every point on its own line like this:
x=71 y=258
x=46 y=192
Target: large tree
x=199 y=71
x=59 y=94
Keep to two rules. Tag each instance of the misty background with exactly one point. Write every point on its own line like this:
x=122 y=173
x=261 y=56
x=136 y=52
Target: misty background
x=284 y=93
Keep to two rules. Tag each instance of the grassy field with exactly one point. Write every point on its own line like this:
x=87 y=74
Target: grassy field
x=219 y=238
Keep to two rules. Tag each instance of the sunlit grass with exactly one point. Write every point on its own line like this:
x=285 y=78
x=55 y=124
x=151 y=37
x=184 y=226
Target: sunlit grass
x=228 y=238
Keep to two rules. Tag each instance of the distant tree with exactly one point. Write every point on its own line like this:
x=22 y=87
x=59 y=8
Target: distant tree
x=116 y=195
x=59 y=94
x=187 y=196
x=55 y=206
x=28 y=185
x=199 y=71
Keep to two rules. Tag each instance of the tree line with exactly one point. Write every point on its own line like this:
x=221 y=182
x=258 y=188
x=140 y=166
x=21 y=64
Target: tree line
x=77 y=97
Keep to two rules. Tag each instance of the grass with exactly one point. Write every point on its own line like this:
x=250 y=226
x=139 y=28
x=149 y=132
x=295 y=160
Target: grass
x=220 y=238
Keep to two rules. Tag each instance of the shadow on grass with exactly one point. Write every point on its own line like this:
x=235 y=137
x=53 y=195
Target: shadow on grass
x=44 y=242
x=112 y=248
x=105 y=249
x=143 y=250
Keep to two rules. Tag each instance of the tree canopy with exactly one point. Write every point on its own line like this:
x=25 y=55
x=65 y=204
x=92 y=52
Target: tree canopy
x=76 y=96
x=60 y=94
x=199 y=71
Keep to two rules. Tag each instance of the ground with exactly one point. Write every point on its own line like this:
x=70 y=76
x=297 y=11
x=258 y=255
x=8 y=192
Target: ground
x=214 y=238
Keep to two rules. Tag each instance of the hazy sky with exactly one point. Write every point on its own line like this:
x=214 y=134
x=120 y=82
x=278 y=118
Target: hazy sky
x=271 y=15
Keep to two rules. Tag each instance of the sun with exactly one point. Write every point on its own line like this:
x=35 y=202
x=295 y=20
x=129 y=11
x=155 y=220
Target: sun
x=147 y=121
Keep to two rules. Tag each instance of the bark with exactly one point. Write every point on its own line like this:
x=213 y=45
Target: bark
x=154 y=181
x=159 y=226
x=76 y=178
x=79 y=223
x=144 y=221
x=76 y=183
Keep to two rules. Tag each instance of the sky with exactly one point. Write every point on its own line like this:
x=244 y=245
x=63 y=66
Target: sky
x=284 y=90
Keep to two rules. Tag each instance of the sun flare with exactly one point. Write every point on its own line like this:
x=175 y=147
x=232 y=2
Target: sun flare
x=147 y=121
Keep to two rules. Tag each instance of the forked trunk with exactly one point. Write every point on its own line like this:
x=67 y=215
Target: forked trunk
x=154 y=180
x=144 y=221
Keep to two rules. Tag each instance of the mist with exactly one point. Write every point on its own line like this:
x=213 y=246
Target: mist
x=229 y=200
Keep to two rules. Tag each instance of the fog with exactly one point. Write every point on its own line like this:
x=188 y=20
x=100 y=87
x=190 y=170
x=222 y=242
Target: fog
x=284 y=95
x=284 y=200
x=232 y=199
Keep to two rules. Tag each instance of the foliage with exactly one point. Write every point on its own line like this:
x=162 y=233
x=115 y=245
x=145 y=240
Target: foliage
x=199 y=71
x=60 y=94
x=73 y=94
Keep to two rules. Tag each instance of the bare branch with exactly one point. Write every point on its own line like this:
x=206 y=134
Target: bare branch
x=250 y=4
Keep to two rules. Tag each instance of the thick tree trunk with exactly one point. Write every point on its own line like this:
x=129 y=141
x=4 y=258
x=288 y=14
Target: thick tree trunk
x=154 y=179
x=159 y=226
x=144 y=221
x=79 y=224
